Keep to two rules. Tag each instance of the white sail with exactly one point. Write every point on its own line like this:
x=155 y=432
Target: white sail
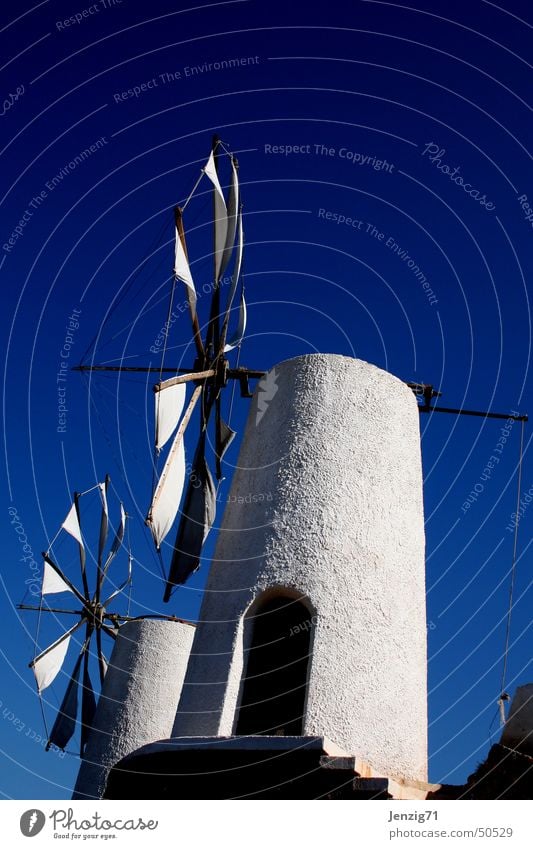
x=221 y=216
x=238 y=336
x=104 y=521
x=233 y=210
x=240 y=248
x=72 y=526
x=105 y=664
x=238 y=264
x=169 y=403
x=211 y=171
x=168 y=492
x=103 y=496
x=183 y=272
x=241 y=326
x=119 y=536
x=117 y=542
x=52 y=582
x=48 y=664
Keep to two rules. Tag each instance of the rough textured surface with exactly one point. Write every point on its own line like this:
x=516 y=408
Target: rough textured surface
x=327 y=503
x=518 y=730
x=138 y=702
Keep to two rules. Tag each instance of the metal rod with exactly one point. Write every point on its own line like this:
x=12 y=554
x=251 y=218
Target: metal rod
x=483 y=415
x=106 y=615
x=242 y=371
x=49 y=609
x=234 y=373
x=185 y=205
x=56 y=643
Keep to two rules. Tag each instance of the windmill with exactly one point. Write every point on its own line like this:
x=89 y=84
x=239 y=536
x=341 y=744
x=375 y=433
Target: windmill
x=92 y=615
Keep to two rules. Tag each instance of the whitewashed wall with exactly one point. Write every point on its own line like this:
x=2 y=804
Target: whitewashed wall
x=326 y=501
x=138 y=701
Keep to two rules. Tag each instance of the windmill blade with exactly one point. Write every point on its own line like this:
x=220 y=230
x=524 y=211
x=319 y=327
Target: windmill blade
x=72 y=524
x=81 y=547
x=47 y=667
x=48 y=663
x=234 y=282
x=102 y=663
x=220 y=212
x=238 y=336
x=65 y=722
x=104 y=527
x=183 y=272
x=167 y=495
x=196 y=520
x=62 y=578
x=105 y=663
x=224 y=436
x=53 y=582
x=104 y=520
x=123 y=585
x=169 y=404
x=117 y=542
x=233 y=206
x=88 y=702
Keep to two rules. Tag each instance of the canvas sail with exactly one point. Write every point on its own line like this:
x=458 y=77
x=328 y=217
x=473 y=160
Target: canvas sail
x=198 y=515
x=169 y=403
x=183 y=272
x=47 y=665
x=168 y=492
x=233 y=206
x=221 y=216
x=65 y=722
x=72 y=526
x=238 y=336
x=53 y=582
x=235 y=277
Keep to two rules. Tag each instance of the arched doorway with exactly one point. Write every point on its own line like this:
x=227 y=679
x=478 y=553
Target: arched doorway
x=275 y=678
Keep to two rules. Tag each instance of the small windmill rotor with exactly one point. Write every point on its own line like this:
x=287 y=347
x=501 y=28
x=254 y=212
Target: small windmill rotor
x=93 y=616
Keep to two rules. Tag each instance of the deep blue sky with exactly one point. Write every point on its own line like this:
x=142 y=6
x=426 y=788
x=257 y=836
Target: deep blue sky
x=369 y=78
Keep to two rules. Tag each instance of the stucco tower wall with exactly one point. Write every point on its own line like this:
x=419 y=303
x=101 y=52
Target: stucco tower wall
x=138 y=702
x=326 y=500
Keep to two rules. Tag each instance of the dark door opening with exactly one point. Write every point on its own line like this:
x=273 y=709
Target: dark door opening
x=274 y=689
